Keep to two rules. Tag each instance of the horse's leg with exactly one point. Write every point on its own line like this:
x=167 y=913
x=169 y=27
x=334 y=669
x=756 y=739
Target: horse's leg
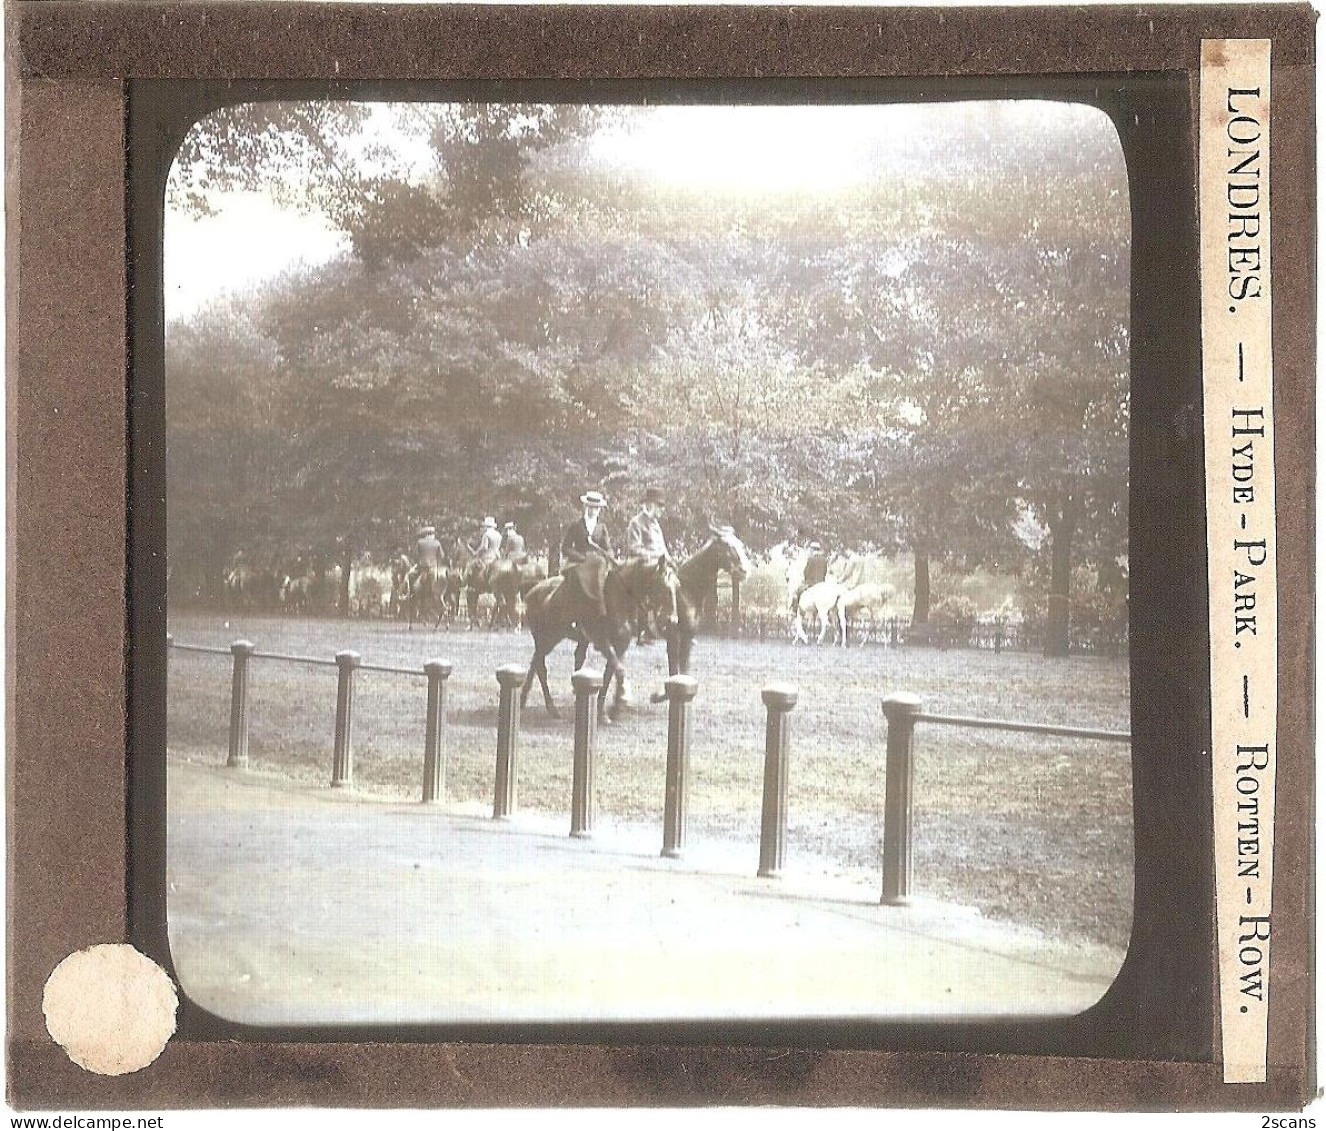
x=529 y=678
x=619 y=679
x=614 y=672
x=547 y=691
x=538 y=666
x=673 y=643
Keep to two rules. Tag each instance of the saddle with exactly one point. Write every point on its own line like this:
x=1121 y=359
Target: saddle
x=590 y=575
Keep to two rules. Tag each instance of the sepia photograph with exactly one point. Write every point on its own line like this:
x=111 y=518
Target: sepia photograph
x=797 y=432
x=627 y=557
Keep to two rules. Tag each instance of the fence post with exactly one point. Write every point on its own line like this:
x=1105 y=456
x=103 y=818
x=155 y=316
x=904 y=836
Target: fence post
x=343 y=771
x=435 y=731
x=238 y=757
x=680 y=690
x=779 y=698
x=509 y=679
x=587 y=683
x=900 y=711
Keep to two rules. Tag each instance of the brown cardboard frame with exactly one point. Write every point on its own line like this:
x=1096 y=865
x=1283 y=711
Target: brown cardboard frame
x=75 y=442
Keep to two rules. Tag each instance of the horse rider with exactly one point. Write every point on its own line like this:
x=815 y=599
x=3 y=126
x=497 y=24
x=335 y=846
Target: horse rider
x=513 y=544
x=427 y=555
x=816 y=571
x=489 y=546
x=645 y=542
x=644 y=534
x=585 y=544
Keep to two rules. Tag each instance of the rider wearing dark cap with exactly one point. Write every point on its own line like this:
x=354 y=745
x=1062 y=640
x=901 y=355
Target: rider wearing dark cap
x=427 y=555
x=513 y=544
x=644 y=534
x=645 y=542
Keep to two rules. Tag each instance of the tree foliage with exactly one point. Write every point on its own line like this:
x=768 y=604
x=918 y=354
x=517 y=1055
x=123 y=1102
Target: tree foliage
x=933 y=360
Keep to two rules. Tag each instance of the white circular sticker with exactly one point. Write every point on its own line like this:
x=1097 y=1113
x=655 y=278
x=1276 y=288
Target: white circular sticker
x=111 y=1008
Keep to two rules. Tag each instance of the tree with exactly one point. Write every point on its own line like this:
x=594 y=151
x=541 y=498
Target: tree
x=224 y=452
x=909 y=361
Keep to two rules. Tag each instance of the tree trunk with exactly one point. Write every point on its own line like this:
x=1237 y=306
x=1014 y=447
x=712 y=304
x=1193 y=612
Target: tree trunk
x=921 y=600
x=219 y=553
x=1062 y=528
x=344 y=597
x=709 y=605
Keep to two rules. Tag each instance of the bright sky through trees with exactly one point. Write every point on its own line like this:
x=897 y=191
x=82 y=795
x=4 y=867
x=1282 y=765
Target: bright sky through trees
x=725 y=150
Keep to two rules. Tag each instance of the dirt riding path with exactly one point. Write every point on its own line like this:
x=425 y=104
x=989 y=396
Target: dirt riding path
x=292 y=905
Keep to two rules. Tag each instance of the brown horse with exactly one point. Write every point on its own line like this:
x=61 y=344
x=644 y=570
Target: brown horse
x=724 y=552
x=425 y=594
x=507 y=581
x=558 y=610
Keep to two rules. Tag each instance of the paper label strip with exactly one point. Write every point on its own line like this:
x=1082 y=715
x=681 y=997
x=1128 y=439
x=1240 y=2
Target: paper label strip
x=1235 y=204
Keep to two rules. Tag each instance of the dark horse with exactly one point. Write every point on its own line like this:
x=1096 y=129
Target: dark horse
x=723 y=552
x=507 y=581
x=556 y=610
x=424 y=594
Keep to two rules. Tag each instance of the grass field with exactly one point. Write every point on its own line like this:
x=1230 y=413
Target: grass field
x=1032 y=830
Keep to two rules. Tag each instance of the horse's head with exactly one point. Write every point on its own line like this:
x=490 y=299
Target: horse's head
x=735 y=559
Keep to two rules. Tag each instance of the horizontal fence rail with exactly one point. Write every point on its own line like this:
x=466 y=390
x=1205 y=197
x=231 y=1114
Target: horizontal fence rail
x=197 y=648
x=1025 y=728
x=312 y=661
x=388 y=669
x=902 y=712
x=316 y=661
x=348 y=664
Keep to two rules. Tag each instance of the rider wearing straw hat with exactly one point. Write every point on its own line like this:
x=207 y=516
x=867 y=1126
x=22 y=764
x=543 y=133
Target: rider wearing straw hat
x=587 y=548
x=489 y=545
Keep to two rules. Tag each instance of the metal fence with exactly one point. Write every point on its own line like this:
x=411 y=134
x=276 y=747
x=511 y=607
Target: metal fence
x=902 y=713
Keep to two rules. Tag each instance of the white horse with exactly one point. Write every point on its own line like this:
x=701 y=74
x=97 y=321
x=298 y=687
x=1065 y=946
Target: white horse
x=871 y=598
x=818 y=602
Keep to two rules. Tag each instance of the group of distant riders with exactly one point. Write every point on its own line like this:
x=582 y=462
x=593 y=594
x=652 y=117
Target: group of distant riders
x=583 y=540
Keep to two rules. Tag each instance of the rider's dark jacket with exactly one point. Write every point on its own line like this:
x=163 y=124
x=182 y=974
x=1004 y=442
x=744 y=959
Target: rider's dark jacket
x=578 y=544
x=427 y=552
x=817 y=568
